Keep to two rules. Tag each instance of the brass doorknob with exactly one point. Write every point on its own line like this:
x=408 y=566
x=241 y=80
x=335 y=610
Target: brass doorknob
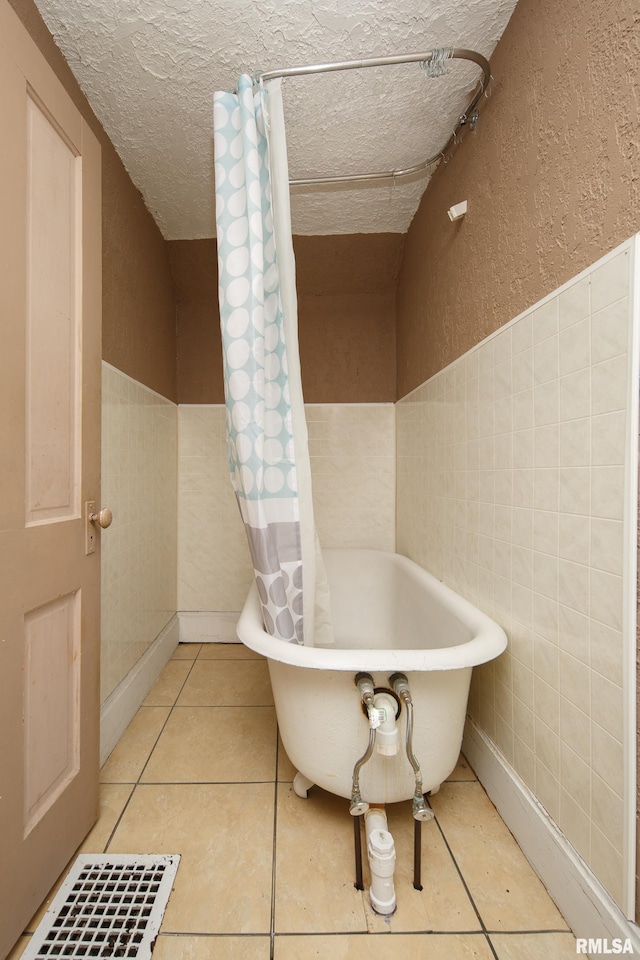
x=103 y=518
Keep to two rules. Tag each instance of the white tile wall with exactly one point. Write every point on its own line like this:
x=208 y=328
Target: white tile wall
x=352 y=450
x=511 y=489
x=139 y=483
x=214 y=566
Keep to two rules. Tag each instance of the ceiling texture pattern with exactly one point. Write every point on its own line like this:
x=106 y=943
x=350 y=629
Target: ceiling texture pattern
x=149 y=70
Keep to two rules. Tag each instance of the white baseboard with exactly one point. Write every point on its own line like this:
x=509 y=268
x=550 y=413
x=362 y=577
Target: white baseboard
x=580 y=897
x=121 y=705
x=208 y=627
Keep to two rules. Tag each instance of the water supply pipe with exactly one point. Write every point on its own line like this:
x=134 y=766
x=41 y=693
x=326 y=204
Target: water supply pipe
x=364 y=683
x=400 y=684
x=421 y=812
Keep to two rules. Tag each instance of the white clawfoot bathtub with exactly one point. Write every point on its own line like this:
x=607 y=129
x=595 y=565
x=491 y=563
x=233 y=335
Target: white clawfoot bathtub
x=389 y=616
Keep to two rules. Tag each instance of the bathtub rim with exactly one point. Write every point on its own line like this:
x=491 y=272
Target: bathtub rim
x=489 y=639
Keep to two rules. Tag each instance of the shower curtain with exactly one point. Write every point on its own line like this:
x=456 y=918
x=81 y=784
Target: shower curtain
x=266 y=428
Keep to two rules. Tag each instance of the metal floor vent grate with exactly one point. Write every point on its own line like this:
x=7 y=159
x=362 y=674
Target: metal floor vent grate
x=108 y=906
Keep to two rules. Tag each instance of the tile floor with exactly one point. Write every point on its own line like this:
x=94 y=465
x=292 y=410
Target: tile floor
x=200 y=772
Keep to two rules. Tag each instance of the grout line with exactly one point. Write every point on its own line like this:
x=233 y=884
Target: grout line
x=464 y=884
x=220 y=706
x=176 y=934
x=400 y=933
x=272 y=915
x=210 y=706
x=194 y=783
x=354 y=933
x=349 y=933
x=517 y=933
x=136 y=783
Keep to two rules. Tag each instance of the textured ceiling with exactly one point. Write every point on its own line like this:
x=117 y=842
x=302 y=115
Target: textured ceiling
x=149 y=70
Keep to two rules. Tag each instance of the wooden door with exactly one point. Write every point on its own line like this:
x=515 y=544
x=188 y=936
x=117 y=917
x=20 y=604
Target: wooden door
x=50 y=324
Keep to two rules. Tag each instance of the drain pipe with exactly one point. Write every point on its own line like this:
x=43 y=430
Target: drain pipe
x=382 y=861
x=381 y=712
x=387 y=738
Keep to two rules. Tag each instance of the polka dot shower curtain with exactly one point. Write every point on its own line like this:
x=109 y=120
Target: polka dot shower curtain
x=266 y=428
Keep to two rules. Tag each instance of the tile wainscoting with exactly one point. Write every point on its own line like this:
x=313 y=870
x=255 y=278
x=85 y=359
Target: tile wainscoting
x=139 y=484
x=352 y=451
x=513 y=464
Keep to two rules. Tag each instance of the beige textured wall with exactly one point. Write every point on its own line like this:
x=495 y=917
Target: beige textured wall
x=551 y=178
x=346 y=305
x=138 y=312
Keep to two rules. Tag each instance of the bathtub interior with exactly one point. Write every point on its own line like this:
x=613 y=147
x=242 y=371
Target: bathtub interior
x=379 y=603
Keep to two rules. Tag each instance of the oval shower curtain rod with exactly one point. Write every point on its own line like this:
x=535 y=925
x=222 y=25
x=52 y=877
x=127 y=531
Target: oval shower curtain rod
x=437 y=56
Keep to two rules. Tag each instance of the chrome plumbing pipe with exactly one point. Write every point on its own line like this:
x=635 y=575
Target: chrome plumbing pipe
x=400 y=684
x=358 y=806
x=420 y=810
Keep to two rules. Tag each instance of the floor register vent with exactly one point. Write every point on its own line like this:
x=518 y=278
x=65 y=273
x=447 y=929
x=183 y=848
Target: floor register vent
x=108 y=906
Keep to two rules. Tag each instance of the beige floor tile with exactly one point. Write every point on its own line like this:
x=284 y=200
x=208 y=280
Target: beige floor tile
x=398 y=946
x=443 y=903
x=211 y=948
x=227 y=683
x=462 y=771
x=228 y=651
x=535 y=946
x=505 y=888
x=314 y=865
x=186 y=651
x=215 y=744
x=224 y=834
x=113 y=799
x=134 y=747
x=165 y=690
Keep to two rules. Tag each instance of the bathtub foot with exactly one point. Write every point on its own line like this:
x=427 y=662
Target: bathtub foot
x=301 y=785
